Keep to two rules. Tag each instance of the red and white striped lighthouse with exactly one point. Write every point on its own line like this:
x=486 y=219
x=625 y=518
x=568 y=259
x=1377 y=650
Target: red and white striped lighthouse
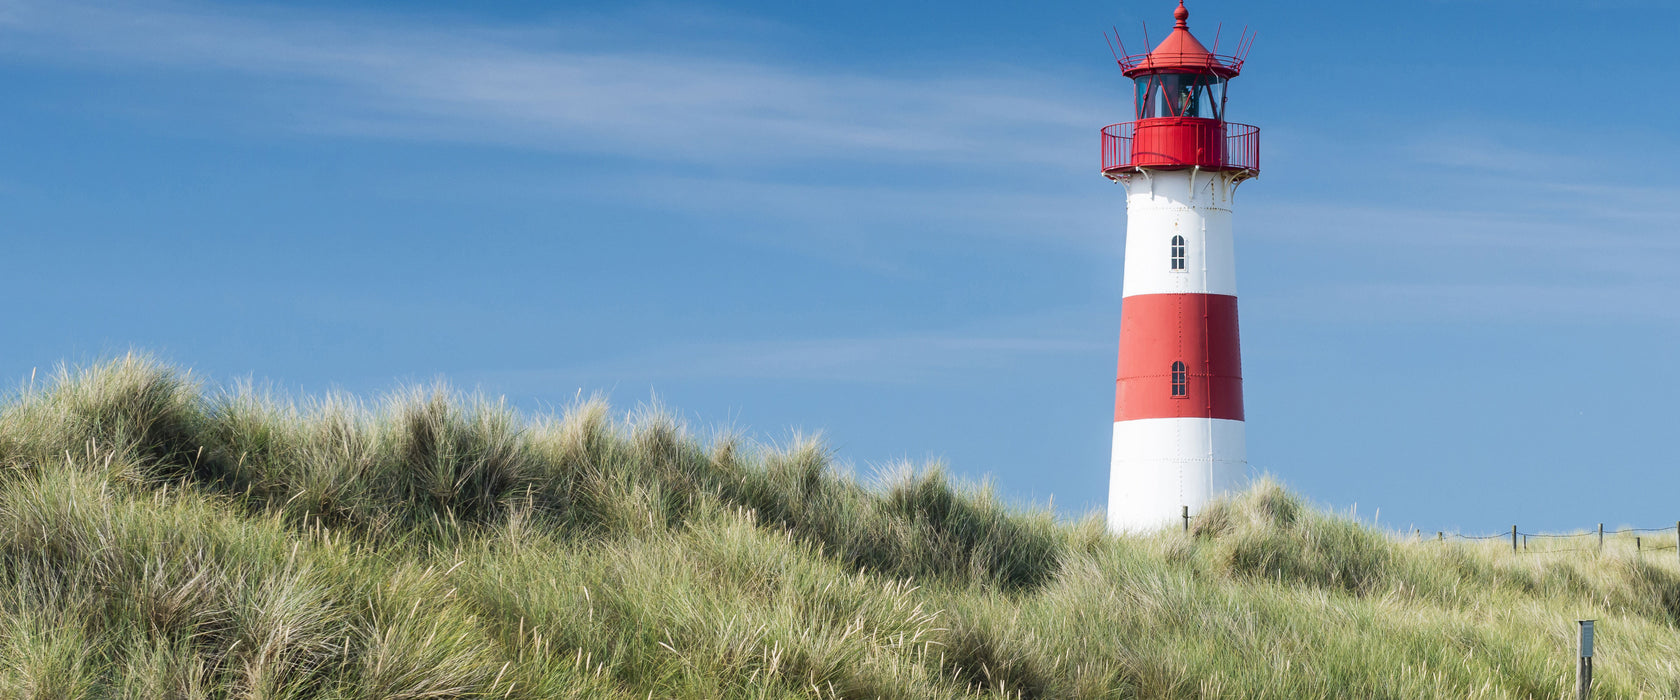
x=1178 y=404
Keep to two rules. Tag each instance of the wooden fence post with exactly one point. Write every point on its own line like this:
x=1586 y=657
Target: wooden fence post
x=1583 y=660
x=1601 y=537
x=1513 y=539
x=1187 y=519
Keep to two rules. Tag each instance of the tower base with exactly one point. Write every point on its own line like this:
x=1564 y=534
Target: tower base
x=1161 y=465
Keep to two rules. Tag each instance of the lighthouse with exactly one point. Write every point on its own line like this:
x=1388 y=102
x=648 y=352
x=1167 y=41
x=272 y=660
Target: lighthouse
x=1178 y=405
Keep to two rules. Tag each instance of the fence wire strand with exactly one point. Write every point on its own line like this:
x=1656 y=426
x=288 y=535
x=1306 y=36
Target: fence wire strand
x=1558 y=536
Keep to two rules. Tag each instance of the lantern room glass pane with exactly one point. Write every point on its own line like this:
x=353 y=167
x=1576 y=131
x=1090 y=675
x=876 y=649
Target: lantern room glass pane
x=1180 y=95
x=1211 y=103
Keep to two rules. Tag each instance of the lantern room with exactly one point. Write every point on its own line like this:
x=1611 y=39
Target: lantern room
x=1179 y=93
x=1160 y=95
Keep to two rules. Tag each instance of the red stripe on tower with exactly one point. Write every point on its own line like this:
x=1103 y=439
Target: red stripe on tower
x=1198 y=330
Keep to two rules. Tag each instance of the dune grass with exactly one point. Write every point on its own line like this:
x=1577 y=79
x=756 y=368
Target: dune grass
x=161 y=539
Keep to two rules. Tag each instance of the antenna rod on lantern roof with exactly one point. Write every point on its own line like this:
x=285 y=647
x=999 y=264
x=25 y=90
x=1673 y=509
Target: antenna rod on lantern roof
x=1111 y=47
x=1216 y=32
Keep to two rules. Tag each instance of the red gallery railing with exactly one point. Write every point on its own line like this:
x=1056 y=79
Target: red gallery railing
x=1181 y=143
x=1226 y=66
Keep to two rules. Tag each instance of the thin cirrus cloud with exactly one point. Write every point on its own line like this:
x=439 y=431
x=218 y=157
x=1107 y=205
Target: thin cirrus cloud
x=896 y=359
x=892 y=357
x=378 y=76
x=1083 y=218
x=1478 y=304
x=1447 y=266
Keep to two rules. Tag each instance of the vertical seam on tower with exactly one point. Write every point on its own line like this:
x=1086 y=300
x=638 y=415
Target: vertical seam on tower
x=1207 y=339
x=1178 y=425
x=1207 y=354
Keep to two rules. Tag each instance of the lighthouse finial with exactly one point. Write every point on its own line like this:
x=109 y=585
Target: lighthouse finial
x=1182 y=15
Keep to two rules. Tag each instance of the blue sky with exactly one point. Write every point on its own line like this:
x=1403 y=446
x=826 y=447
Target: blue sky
x=879 y=220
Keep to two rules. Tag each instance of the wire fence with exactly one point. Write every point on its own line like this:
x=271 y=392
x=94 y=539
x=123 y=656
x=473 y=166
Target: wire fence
x=1661 y=538
x=1644 y=539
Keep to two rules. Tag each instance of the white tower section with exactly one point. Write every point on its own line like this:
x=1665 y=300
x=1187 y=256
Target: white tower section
x=1161 y=204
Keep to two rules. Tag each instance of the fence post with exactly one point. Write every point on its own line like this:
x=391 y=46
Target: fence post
x=1525 y=543
x=1513 y=539
x=1441 y=535
x=1636 y=546
x=1583 y=661
x=1187 y=518
x=1601 y=537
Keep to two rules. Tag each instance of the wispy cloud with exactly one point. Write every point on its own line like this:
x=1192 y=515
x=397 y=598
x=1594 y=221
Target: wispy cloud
x=905 y=356
x=1608 y=302
x=1492 y=226
x=910 y=358
x=1081 y=218
x=1559 y=254
x=750 y=137
x=545 y=87
x=1554 y=219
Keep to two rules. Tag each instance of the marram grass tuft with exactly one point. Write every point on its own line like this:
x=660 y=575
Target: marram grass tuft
x=164 y=539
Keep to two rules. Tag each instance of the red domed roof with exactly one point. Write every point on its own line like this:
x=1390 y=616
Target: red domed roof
x=1180 y=53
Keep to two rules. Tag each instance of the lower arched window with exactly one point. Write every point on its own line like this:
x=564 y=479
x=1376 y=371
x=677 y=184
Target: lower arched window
x=1178 y=252
x=1180 y=380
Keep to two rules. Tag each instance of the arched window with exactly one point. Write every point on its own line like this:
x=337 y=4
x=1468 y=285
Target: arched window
x=1178 y=253
x=1180 y=381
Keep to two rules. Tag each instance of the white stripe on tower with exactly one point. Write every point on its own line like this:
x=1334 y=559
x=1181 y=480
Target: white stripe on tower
x=1165 y=461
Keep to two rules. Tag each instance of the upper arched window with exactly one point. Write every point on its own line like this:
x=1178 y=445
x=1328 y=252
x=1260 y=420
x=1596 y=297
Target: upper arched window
x=1178 y=252
x=1180 y=380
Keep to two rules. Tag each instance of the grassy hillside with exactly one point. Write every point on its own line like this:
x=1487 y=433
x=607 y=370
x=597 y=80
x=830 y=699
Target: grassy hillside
x=160 y=540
